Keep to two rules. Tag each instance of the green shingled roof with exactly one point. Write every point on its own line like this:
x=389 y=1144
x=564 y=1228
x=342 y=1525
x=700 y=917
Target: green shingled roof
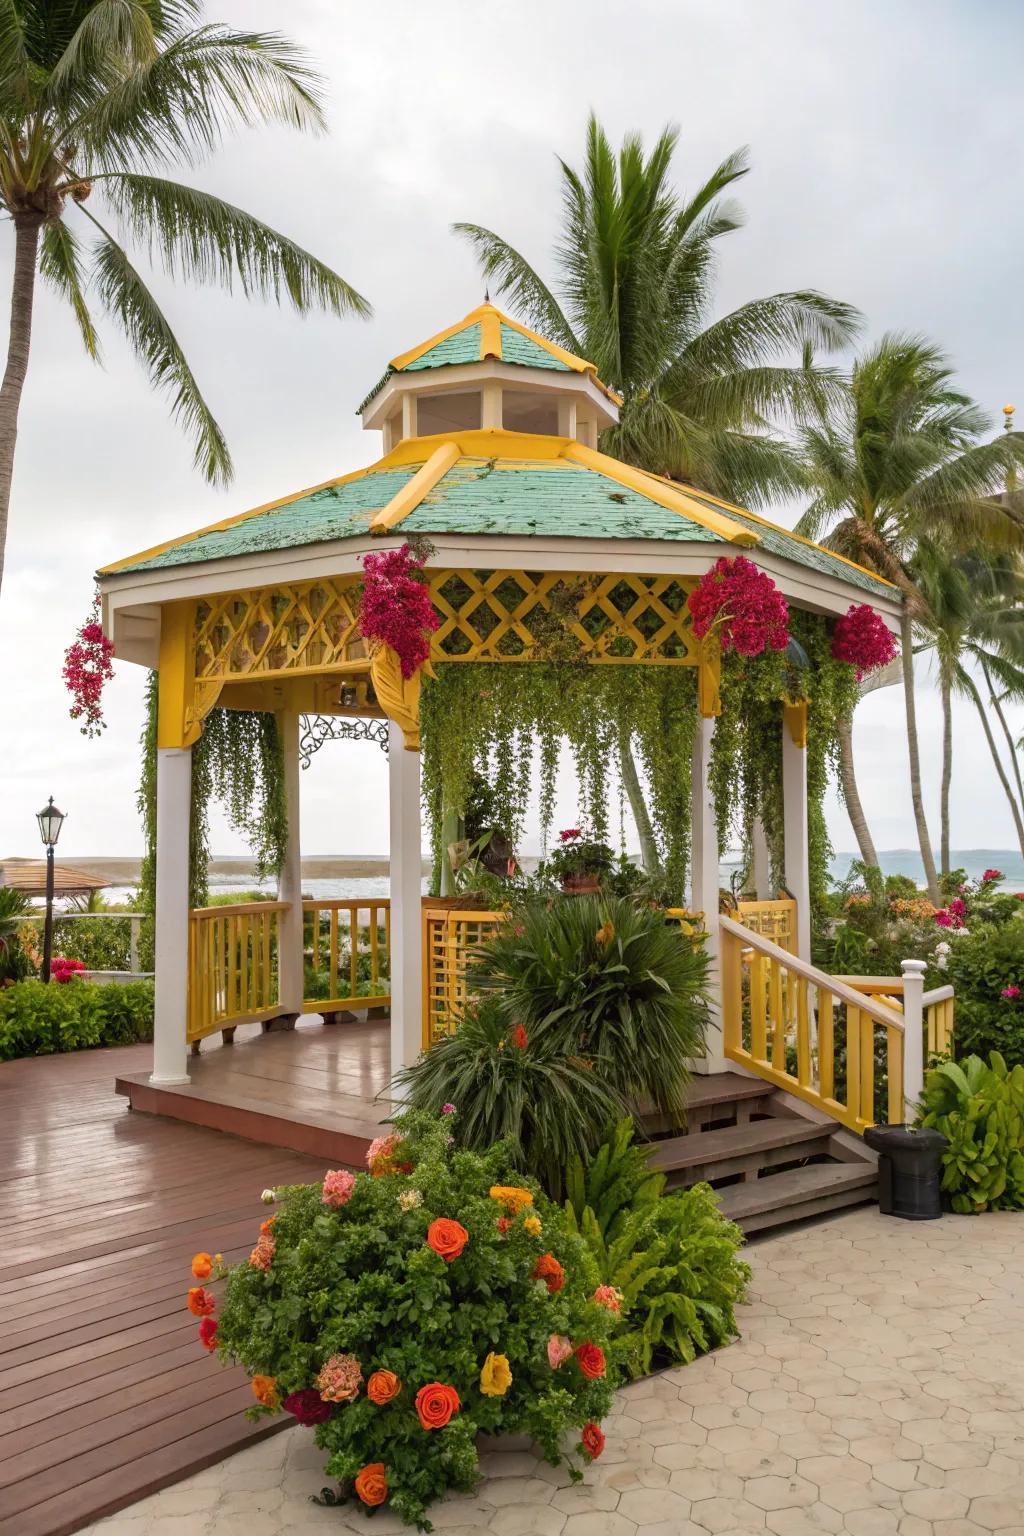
x=480 y=497
x=463 y=347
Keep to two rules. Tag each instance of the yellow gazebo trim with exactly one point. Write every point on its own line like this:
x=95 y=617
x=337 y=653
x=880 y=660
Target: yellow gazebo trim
x=398 y=696
x=794 y=713
x=660 y=491
x=412 y=493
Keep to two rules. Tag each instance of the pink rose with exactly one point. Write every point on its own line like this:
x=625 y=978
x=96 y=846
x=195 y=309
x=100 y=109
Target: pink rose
x=338 y=1187
x=559 y=1350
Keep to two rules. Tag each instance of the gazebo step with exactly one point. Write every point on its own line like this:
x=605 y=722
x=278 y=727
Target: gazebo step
x=739 y=1149
x=798 y=1193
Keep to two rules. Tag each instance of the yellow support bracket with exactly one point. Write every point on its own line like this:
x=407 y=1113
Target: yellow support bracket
x=794 y=712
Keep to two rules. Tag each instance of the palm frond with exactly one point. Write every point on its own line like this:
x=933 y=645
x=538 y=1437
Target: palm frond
x=201 y=237
x=129 y=301
x=113 y=37
x=15 y=86
x=60 y=264
x=507 y=272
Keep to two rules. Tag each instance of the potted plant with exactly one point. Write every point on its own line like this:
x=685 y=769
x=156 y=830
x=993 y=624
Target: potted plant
x=580 y=862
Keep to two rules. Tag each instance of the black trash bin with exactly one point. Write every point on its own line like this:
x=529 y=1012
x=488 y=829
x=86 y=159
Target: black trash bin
x=908 y=1170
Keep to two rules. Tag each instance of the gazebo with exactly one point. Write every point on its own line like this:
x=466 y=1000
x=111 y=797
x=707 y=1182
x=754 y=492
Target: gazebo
x=490 y=437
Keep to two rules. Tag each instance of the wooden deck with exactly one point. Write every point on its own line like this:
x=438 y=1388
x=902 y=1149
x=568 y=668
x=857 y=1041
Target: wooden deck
x=317 y=1089
x=105 y=1391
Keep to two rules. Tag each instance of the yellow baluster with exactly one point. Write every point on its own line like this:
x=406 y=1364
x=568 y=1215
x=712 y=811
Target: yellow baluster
x=758 y=1021
x=803 y=1033
x=353 y=951
x=867 y=1069
x=333 y=981
x=778 y=1018
x=732 y=994
x=826 y=1045
x=853 y=1043
x=894 y=1053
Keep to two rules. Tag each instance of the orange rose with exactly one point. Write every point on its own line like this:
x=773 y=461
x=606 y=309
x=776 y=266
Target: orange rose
x=371 y=1484
x=590 y=1359
x=382 y=1387
x=264 y=1390
x=548 y=1269
x=202 y=1266
x=435 y=1404
x=201 y=1302
x=265 y=1226
x=447 y=1238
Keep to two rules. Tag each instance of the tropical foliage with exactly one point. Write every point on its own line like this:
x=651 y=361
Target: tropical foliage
x=37 y=1020
x=979 y=1109
x=404 y=1310
x=99 y=98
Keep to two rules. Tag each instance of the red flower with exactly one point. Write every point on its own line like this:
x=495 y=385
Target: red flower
x=201 y=1302
x=590 y=1359
x=447 y=1238
x=504 y=1222
x=592 y=1440
x=64 y=969
x=395 y=609
x=308 y=1406
x=88 y=664
x=991 y=875
x=548 y=1269
x=208 y=1333
x=569 y=835
x=435 y=1404
x=861 y=639
x=743 y=604
x=519 y=1038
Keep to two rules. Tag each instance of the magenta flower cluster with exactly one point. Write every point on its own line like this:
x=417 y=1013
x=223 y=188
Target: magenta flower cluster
x=952 y=916
x=743 y=605
x=396 y=609
x=88 y=665
x=861 y=639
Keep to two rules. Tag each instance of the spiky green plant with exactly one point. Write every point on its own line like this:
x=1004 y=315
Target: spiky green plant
x=98 y=98
x=13 y=905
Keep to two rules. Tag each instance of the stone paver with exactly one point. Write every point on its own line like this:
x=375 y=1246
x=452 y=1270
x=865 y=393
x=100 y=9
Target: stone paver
x=878 y=1390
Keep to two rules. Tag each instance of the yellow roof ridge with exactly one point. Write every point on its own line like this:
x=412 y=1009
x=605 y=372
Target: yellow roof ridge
x=790 y=533
x=664 y=492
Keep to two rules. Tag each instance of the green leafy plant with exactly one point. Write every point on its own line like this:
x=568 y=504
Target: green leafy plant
x=36 y=1020
x=439 y=1270
x=14 y=965
x=545 y=1102
x=672 y=1259
x=604 y=979
x=579 y=855
x=980 y=1111
x=984 y=965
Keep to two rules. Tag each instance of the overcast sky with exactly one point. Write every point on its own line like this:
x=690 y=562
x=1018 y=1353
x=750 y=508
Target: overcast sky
x=885 y=172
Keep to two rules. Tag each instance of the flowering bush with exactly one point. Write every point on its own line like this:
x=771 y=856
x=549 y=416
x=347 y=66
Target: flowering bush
x=395 y=607
x=861 y=639
x=743 y=605
x=400 y=1328
x=88 y=665
x=579 y=855
x=64 y=969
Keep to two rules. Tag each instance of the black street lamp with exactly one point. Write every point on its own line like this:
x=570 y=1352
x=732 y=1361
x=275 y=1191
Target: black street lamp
x=50 y=822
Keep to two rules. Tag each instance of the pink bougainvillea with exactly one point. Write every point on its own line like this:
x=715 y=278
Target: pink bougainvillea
x=743 y=605
x=396 y=609
x=861 y=639
x=88 y=664
x=64 y=969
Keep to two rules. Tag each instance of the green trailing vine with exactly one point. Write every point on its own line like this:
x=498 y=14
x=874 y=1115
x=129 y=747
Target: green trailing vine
x=239 y=760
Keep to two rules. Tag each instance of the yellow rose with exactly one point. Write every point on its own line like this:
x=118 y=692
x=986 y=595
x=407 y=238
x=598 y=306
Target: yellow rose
x=532 y=1224
x=495 y=1376
x=511 y=1197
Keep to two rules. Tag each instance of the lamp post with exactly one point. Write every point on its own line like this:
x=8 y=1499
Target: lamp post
x=50 y=822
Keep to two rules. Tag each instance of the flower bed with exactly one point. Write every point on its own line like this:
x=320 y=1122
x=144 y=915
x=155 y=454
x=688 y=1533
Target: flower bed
x=401 y=1311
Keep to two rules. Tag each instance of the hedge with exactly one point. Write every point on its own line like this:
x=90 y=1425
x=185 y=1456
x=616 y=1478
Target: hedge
x=38 y=1019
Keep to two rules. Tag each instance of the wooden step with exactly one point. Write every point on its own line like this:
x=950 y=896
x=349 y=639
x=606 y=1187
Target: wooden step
x=798 y=1193
x=743 y=1148
x=709 y=1096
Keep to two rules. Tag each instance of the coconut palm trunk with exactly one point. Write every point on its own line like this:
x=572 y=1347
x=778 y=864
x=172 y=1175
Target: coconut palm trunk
x=851 y=794
x=638 y=806
x=946 y=695
x=967 y=682
x=1011 y=746
x=914 y=751
x=26 y=249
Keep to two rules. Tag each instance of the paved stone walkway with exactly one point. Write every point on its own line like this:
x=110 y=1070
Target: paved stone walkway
x=878 y=1390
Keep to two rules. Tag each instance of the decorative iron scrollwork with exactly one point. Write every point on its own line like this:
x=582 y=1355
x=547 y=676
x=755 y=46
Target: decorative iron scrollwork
x=316 y=729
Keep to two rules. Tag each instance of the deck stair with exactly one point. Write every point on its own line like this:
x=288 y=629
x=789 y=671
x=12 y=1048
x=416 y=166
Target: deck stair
x=773 y=1159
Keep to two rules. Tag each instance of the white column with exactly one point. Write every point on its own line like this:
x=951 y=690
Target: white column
x=406 y=919
x=289 y=881
x=761 y=872
x=705 y=881
x=408 y=415
x=490 y=405
x=913 y=1036
x=173 y=806
x=797 y=859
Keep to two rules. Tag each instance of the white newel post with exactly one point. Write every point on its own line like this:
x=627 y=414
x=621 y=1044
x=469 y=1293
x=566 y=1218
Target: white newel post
x=705 y=881
x=173 y=805
x=289 y=881
x=761 y=872
x=406 y=917
x=797 y=855
x=913 y=1035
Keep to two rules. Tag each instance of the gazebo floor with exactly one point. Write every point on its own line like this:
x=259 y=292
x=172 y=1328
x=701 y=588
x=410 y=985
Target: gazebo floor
x=105 y=1392
x=313 y=1089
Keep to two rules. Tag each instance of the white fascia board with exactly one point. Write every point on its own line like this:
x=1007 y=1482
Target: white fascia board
x=140 y=591
x=468 y=376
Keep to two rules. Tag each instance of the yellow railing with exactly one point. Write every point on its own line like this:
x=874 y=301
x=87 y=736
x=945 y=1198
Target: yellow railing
x=232 y=964
x=346 y=949
x=938 y=1007
x=819 y=1037
x=775 y=920
x=449 y=937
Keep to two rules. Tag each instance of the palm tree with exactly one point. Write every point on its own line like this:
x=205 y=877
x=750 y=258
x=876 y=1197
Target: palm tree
x=96 y=98
x=898 y=468
x=634 y=268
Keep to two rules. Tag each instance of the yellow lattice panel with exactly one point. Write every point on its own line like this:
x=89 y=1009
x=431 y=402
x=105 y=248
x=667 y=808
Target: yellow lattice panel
x=449 y=938
x=775 y=920
x=507 y=616
x=293 y=631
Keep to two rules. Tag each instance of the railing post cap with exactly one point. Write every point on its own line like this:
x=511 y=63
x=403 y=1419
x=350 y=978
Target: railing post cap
x=912 y=968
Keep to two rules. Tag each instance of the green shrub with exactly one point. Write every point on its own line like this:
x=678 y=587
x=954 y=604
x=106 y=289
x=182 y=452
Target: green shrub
x=101 y=943
x=548 y=1104
x=14 y=962
x=981 y=965
x=603 y=979
x=673 y=1258
x=980 y=1111
x=362 y=1280
x=38 y=1019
